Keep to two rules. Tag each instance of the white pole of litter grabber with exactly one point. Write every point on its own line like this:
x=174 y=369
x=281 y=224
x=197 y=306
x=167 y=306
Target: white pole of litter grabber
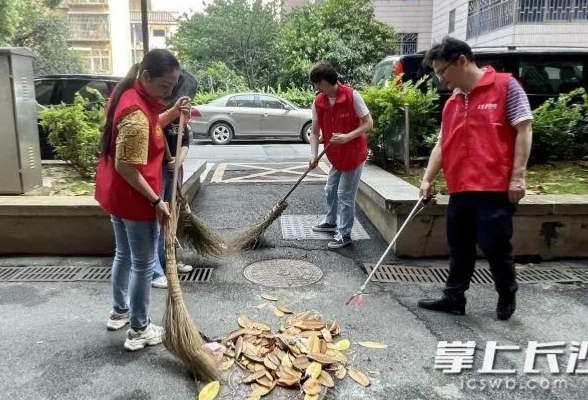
x=410 y=216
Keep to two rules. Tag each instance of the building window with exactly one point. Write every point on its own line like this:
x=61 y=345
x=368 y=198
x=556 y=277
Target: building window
x=158 y=32
x=451 y=21
x=407 y=43
x=96 y=61
x=540 y=11
x=485 y=16
x=89 y=27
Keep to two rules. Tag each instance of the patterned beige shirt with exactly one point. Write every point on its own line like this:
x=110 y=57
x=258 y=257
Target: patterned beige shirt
x=132 y=141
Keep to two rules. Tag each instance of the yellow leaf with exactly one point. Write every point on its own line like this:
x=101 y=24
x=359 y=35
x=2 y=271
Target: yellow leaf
x=227 y=364
x=311 y=397
x=210 y=391
x=259 y=390
x=359 y=377
x=340 y=373
x=373 y=345
x=262 y=305
x=286 y=361
x=314 y=370
x=269 y=297
x=340 y=345
x=326 y=380
x=278 y=313
x=312 y=386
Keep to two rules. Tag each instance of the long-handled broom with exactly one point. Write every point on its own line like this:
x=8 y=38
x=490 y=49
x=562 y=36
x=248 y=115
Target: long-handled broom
x=182 y=338
x=250 y=238
x=191 y=229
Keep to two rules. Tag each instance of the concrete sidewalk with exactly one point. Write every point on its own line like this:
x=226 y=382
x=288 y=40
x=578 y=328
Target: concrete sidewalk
x=55 y=346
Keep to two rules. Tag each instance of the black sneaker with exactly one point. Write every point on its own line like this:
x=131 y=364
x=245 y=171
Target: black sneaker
x=444 y=304
x=324 y=227
x=339 y=241
x=507 y=304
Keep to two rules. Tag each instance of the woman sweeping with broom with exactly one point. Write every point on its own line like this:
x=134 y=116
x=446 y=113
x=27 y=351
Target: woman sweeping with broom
x=128 y=184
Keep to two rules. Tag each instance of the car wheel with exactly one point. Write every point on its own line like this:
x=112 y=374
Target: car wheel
x=306 y=132
x=221 y=133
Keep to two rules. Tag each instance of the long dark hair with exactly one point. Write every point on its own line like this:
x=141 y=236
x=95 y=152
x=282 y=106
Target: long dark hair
x=157 y=63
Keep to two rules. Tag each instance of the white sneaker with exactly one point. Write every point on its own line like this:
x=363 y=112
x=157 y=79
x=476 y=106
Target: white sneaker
x=117 y=321
x=150 y=336
x=184 y=268
x=159 y=283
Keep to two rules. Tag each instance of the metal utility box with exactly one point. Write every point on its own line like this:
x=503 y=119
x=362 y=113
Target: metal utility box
x=20 y=155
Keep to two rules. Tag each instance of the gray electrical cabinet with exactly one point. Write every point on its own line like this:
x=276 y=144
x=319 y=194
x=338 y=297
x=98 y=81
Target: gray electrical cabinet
x=20 y=155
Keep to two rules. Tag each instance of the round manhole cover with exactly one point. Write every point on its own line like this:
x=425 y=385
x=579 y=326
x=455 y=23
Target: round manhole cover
x=283 y=273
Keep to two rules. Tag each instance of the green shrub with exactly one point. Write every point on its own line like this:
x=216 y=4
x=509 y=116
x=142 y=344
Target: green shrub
x=386 y=106
x=560 y=128
x=74 y=132
x=207 y=97
x=303 y=97
x=218 y=77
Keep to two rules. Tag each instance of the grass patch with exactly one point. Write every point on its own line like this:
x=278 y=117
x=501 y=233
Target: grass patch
x=569 y=177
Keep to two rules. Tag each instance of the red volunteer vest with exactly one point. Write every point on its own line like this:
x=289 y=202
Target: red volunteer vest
x=114 y=194
x=477 y=142
x=341 y=118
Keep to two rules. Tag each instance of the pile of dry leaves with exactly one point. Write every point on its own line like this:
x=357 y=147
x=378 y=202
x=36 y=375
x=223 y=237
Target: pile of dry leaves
x=302 y=355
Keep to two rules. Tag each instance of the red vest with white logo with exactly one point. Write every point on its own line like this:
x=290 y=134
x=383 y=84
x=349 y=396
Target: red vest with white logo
x=341 y=118
x=114 y=194
x=477 y=141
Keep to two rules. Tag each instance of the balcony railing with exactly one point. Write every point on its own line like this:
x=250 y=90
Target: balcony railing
x=485 y=16
x=89 y=27
x=78 y=2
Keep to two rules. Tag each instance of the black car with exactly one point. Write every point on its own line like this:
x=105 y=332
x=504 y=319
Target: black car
x=61 y=89
x=543 y=72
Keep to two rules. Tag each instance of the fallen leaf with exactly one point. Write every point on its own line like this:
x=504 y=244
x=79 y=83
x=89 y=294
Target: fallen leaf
x=311 y=386
x=284 y=310
x=337 y=355
x=269 y=297
x=373 y=345
x=210 y=391
x=278 y=313
x=314 y=370
x=245 y=322
x=253 y=377
x=262 y=305
x=359 y=377
x=327 y=335
x=265 y=381
x=341 y=345
x=259 y=390
x=287 y=361
x=237 y=333
x=326 y=380
x=311 y=397
x=340 y=373
x=323 y=359
x=301 y=362
x=239 y=347
x=288 y=381
x=227 y=364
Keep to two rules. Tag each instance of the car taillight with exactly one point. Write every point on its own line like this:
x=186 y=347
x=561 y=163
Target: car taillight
x=399 y=69
x=194 y=113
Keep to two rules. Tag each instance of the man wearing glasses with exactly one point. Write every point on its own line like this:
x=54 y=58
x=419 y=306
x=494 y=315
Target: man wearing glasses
x=483 y=149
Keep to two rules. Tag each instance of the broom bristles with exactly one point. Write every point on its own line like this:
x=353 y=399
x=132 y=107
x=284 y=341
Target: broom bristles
x=250 y=238
x=197 y=235
x=182 y=337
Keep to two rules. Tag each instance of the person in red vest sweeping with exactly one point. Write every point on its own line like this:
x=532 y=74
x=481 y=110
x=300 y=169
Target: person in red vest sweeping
x=483 y=149
x=341 y=115
x=128 y=187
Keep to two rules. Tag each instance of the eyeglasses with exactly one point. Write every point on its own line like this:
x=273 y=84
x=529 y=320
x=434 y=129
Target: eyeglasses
x=439 y=74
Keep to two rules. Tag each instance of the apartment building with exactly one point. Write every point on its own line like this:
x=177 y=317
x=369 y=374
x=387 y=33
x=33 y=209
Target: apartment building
x=488 y=23
x=411 y=19
x=107 y=33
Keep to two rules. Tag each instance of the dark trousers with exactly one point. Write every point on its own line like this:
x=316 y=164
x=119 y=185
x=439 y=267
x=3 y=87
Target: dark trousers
x=483 y=219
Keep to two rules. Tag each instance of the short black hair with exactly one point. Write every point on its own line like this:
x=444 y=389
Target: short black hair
x=323 y=70
x=449 y=50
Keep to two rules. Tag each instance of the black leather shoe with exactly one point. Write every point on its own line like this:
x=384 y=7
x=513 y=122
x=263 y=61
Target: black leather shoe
x=507 y=304
x=444 y=304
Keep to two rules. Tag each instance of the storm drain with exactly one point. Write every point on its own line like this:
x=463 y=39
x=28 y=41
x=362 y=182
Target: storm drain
x=581 y=274
x=283 y=273
x=482 y=275
x=299 y=227
x=80 y=274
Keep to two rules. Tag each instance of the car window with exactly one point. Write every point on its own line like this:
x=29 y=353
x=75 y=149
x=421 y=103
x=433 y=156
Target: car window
x=44 y=92
x=90 y=95
x=271 y=102
x=551 y=77
x=244 y=100
x=68 y=88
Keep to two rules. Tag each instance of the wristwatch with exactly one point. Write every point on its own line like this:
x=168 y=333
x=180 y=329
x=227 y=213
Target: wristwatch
x=156 y=202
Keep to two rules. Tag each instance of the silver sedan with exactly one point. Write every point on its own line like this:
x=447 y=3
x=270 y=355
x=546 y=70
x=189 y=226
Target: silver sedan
x=250 y=115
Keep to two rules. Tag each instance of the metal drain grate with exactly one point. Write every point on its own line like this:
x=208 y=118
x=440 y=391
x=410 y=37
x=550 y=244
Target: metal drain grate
x=299 y=227
x=581 y=274
x=80 y=274
x=482 y=275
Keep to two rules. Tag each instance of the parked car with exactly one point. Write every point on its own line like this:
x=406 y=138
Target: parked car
x=60 y=89
x=543 y=72
x=250 y=115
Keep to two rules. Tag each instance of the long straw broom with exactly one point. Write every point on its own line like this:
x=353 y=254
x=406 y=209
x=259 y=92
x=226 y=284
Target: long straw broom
x=191 y=229
x=182 y=338
x=250 y=238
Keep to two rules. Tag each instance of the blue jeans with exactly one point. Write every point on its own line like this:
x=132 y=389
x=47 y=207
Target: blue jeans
x=133 y=265
x=341 y=189
x=168 y=176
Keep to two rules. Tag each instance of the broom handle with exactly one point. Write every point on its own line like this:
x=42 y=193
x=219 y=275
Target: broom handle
x=305 y=173
x=176 y=173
